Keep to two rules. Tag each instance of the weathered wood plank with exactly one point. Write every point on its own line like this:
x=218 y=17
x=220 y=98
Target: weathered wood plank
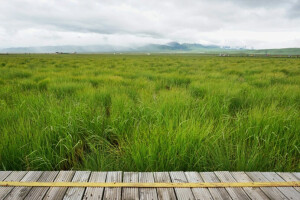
x=164 y=193
x=181 y=193
x=4 y=175
x=217 y=193
x=57 y=193
x=147 y=193
x=289 y=177
x=74 y=193
x=14 y=176
x=297 y=174
x=21 y=192
x=235 y=193
x=113 y=193
x=199 y=193
x=289 y=192
x=39 y=192
x=271 y=192
x=254 y=193
x=130 y=193
x=93 y=193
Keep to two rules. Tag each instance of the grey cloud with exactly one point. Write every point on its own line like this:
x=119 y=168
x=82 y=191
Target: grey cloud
x=294 y=11
x=261 y=3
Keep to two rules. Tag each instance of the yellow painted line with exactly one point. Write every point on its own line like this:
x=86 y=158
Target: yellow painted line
x=150 y=185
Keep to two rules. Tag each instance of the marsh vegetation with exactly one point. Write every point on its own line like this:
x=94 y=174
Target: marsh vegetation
x=149 y=113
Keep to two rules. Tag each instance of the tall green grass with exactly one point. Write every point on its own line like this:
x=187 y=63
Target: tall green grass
x=149 y=113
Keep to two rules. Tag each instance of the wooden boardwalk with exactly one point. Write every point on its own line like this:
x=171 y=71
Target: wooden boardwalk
x=32 y=193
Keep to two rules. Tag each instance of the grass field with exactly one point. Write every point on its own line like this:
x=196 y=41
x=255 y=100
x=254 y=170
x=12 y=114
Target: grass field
x=149 y=113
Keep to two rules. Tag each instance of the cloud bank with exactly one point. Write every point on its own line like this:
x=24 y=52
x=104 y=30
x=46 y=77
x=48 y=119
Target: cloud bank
x=250 y=23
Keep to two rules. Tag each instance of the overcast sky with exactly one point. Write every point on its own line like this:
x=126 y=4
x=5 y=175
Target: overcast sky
x=251 y=23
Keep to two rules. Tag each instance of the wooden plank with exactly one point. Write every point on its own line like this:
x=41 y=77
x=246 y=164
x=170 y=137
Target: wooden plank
x=297 y=174
x=164 y=193
x=199 y=193
x=289 y=192
x=21 y=192
x=254 y=193
x=217 y=193
x=57 y=193
x=289 y=177
x=130 y=193
x=14 y=176
x=113 y=193
x=271 y=192
x=181 y=193
x=235 y=193
x=39 y=192
x=147 y=193
x=4 y=175
x=77 y=192
x=92 y=193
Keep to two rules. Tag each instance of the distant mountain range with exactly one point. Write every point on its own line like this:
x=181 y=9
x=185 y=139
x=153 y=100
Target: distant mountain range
x=184 y=47
x=172 y=47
